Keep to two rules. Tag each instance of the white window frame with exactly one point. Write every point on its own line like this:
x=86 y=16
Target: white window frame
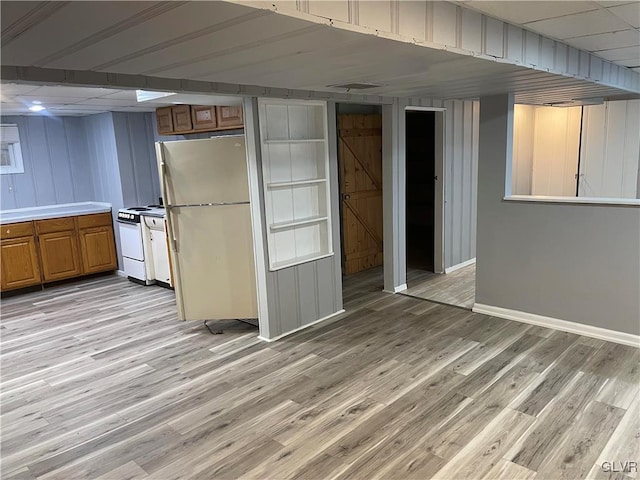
x=15 y=153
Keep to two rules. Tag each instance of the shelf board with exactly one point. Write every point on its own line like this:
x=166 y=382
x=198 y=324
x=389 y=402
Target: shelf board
x=274 y=227
x=296 y=183
x=299 y=260
x=295 y=140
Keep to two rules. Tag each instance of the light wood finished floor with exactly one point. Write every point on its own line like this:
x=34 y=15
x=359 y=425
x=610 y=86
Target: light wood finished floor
x=99 y=380
x=456 y=288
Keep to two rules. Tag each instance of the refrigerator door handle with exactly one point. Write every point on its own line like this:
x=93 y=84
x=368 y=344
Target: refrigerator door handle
x=165 y=192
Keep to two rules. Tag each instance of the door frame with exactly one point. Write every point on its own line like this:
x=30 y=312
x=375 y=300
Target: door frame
x=439 y=158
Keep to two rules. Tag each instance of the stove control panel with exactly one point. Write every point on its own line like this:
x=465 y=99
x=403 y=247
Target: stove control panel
x=129 y=217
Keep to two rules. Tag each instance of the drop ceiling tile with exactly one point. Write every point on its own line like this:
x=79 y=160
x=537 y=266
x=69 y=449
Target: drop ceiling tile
x=579 y=25
x=620 y=53
x=78 y=107
x=606 y=41
x=629 y=63
x=74 y=112
x=121 y=95
x=17 y=89
x=49 y=100
x=529 y=11
x=630 y=13
x=133 y=109
x=63 y=91
x=9 y=104
x=613 y=4
x=108 y=102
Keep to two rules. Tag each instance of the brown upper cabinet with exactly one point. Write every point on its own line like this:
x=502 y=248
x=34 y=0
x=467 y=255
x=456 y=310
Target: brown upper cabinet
x=229 y=116
x=184 y=119
x=181 y=118
x=164 y=121
x=203 y=117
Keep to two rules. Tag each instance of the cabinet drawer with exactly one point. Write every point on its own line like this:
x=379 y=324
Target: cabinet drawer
x=95 y=220
x=164 y=120
x=181 y=118
x=203 y=117
x=229 y=117
x=55 y=225
x=15 y=230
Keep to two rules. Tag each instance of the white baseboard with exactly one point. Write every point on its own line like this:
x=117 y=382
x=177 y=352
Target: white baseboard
x=121 y=273
x=460 y=265
x=398 y=289
x=557 y=324
x=320 y=320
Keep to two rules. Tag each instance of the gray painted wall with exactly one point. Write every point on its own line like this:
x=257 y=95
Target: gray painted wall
x=103 y=156
x=134 y=135
x=573 y=262
x=56 y=168
x=109 y=157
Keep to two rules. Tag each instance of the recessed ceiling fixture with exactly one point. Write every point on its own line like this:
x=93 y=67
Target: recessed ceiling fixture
x=147 y=95
x=36 y=108
x=356 y=85
x=37 y=102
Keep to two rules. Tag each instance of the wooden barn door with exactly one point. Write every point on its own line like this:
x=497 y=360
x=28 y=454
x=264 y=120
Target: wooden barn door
x=360 y=163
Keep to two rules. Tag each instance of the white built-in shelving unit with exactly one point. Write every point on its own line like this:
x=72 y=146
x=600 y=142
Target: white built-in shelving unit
x=295 y=170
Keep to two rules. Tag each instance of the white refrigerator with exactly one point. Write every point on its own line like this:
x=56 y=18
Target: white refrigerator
x=205 y=188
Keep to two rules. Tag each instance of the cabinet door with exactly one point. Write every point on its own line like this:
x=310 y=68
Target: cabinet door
x=19 y=263
x=98 y=250
x=229 y=117
x=181 y=118
x=164 y=121
x=59 y=254
x=203 y=117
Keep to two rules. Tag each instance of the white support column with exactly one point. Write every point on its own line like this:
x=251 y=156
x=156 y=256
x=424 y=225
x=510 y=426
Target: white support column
x=394 y=196
x=336 y=200
x=252 y=138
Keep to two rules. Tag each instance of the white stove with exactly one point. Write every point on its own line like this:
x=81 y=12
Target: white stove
x=137 y=252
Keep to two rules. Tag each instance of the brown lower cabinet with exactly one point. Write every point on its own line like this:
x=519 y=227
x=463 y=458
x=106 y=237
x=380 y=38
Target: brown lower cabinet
x=55 y=249
x=19 y=263
x=98 y=251
x=59 y=255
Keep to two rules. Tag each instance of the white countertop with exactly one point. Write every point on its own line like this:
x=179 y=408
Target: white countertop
x=53 y=211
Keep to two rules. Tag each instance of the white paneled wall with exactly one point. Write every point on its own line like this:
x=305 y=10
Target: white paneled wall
x=461 y=180
x=295 y=175
x=444 y=25
x=522 y=164
x=556 y=143
x=610 y=150
x=547 y=145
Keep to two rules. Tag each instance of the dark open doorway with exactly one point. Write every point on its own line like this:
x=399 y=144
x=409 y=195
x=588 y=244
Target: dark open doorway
x=420 y=173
